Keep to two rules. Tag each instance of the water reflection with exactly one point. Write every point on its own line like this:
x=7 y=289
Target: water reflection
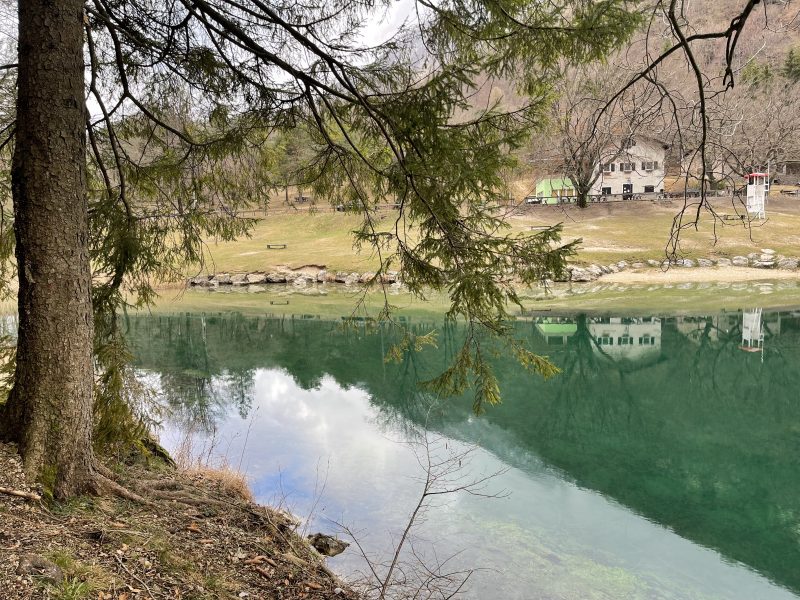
x=666 y=416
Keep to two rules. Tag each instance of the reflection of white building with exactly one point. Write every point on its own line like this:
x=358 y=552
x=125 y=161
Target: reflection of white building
x=752 y=331
x=632 y=339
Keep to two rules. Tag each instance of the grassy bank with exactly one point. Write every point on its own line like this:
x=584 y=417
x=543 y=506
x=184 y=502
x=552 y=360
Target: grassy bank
x=610 y=232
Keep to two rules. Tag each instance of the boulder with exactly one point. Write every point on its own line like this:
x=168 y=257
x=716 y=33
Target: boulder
x=322 y=276
x=622 y=265
x=274 y=277
x=612 y=268
x=724 y=262
x=740 y=261
x=255 y=278
x=638 y=265
x=366 y=277
x=595 y=270
x=352 y=279
x=705 y=262
x=223 y=279
x=764 y=264
x=654 y=263
x=767 y=251
x=340 y=276
x=687 y=262
x=327 y=545
x=239 y=279
x=788 y=264
x=754 y=256
x=581 y=275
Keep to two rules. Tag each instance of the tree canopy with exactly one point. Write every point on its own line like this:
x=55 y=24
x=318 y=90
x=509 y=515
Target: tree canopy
x=175 y=104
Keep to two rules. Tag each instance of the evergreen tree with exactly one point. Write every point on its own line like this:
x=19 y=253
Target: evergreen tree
x=183 y=96
x=791 y=66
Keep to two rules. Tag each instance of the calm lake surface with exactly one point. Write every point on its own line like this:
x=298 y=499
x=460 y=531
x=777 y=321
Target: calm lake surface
x=663 y=462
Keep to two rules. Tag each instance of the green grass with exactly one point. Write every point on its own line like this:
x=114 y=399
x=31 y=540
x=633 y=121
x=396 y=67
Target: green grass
x=610 y=232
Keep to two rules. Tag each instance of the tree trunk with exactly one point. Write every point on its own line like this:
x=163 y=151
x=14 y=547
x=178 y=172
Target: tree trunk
x=49 y=411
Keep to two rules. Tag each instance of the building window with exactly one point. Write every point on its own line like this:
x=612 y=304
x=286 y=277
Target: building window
x=647 y=340
x=608 y=167
x=625 y=340
x=655 y=164
x=606 y=191
x=605 y=340
x=649 y=189
x=649 y=165
x=626 y=167
x=628 y=144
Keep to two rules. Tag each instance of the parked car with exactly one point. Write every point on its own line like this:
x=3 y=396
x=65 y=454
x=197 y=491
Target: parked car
x=533 y=200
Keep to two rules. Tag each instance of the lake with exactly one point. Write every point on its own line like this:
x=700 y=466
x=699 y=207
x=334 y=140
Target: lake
x=663 y=462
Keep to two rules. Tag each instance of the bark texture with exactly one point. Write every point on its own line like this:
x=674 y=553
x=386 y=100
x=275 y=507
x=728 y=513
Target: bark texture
x=49 y=412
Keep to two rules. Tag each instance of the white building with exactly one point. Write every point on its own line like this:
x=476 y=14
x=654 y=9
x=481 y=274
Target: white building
x=635 y=168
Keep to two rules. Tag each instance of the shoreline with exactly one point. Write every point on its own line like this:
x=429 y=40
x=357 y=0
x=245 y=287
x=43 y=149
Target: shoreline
x=677 y=274
x=200 y=535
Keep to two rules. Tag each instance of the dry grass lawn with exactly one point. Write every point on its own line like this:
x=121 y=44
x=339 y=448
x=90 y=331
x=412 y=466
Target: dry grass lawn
x=610 y=232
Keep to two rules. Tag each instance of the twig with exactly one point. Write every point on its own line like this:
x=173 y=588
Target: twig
x=20 y=494
x=136 y=577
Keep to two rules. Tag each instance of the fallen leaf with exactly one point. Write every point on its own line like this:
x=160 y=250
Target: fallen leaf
x=313 y=585
x=256 y=560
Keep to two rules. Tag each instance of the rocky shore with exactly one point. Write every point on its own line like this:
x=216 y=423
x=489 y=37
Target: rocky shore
x=766 y=259
x=299 y=277
x=314 y=274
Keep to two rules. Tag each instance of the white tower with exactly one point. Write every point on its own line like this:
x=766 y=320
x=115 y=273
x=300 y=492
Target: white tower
x=757 y=192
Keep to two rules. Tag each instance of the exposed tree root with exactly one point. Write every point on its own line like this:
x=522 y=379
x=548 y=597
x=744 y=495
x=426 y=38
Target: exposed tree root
x=20 y=494
x=103 y=483
x=190 y=500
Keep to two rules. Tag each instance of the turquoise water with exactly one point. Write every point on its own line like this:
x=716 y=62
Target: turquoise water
x=663 y=462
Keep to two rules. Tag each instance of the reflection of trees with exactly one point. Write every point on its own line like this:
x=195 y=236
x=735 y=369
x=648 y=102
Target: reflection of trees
x=703 y=439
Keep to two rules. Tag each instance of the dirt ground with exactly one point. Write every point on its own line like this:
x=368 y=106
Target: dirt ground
x=196 y=540
x=698 y=274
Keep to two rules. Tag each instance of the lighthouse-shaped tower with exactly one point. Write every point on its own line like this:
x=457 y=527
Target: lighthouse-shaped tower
x=757 y=192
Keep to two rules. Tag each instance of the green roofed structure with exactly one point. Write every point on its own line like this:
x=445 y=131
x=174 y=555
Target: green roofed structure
x=555 y=190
